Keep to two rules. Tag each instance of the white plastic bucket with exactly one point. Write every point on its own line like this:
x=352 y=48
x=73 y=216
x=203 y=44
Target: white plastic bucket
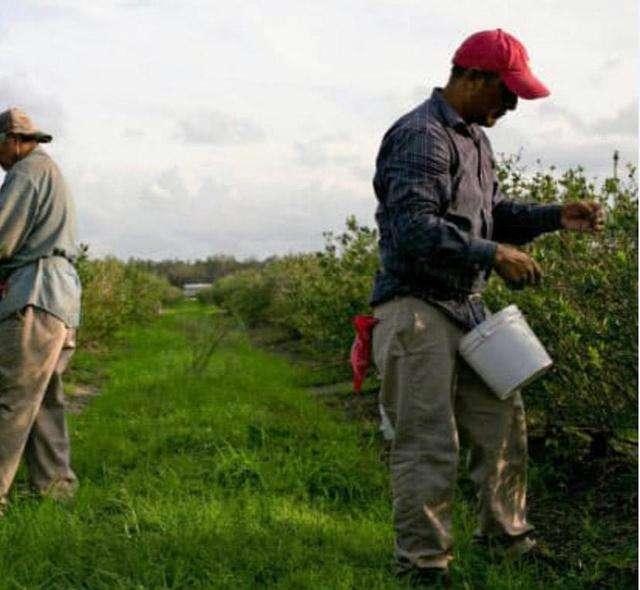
x=505 y=352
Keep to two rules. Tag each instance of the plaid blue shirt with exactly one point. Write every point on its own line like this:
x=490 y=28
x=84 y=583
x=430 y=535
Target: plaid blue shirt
x=441 y=212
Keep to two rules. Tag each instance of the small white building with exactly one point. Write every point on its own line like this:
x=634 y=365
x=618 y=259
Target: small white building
x=191 y=289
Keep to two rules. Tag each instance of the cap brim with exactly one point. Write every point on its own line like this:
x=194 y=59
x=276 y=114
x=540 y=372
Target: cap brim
x=524 y=84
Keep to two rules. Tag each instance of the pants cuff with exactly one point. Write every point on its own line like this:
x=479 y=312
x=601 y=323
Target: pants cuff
x=439 y=561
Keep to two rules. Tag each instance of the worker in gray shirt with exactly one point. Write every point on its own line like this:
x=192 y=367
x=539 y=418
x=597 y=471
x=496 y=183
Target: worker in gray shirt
x=39 y=309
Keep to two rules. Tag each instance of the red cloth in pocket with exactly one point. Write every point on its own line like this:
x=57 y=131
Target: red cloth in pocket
x=361 y=348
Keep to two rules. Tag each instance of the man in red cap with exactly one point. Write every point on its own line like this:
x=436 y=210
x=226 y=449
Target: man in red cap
x=444 y=226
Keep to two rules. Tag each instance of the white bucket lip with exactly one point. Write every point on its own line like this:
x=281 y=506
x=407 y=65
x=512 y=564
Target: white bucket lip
x=476 y=336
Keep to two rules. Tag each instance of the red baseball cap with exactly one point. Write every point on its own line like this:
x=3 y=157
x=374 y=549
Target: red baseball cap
x=497 y=51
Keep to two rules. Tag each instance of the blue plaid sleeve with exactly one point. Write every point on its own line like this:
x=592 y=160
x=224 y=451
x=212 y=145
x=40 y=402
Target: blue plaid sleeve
x=418 y=190
x=518 y=223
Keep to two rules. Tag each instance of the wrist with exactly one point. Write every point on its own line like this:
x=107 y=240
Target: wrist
x=482 y=252
x=562 y=221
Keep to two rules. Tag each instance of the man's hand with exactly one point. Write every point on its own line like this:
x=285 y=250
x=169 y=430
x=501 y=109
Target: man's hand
x=587 y=216
x=516 y=268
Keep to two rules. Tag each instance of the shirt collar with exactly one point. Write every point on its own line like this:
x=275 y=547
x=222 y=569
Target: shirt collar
x=448 y=115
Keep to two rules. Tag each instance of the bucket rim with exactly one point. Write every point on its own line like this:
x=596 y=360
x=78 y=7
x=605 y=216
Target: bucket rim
x=486 y=328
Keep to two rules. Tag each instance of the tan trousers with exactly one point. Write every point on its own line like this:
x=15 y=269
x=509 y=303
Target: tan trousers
x=430 y=394
x=35 y=348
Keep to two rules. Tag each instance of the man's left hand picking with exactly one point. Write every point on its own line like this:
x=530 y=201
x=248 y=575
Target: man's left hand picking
x=583 y=216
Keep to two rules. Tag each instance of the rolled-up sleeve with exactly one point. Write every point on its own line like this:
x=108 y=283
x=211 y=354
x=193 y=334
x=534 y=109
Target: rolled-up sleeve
x=18 y=204
x=418 y=193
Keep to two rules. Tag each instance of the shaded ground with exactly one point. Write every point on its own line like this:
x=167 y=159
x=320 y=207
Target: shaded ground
x=207 y=468
x=585 y=510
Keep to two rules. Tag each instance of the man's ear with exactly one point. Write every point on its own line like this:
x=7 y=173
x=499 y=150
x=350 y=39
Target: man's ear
x=490 y=84
x=475 y=81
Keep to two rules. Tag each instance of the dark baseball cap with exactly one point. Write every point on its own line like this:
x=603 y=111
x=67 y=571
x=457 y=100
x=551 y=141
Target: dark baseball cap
x=498 y=51
x=15 y=120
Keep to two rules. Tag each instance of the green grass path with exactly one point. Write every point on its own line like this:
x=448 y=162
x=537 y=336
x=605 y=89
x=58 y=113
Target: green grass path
x=232 y=478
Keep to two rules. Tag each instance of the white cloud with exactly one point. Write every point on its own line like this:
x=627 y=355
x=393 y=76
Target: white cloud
x=559 y=113
x=44 y=107
x=143 y=94
x=133 y=133
x=625 y=122
x=164 y=217
x=338 y=149
x=217 y=128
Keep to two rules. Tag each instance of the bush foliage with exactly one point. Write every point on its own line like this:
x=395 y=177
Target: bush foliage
x=115 y=293
x=212 y=268
x=585 y=312
x=247 y=293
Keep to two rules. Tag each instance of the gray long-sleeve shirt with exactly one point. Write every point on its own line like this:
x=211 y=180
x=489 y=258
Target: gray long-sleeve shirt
x=441 y=212
x=38 y=240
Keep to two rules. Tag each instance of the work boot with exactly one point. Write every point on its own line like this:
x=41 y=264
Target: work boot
x=529 y=549
x=525 y=547
x=429 y=577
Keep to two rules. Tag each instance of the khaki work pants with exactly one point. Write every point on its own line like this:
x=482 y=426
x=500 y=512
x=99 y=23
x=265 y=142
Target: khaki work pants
x=35 y=348
x=430 y=394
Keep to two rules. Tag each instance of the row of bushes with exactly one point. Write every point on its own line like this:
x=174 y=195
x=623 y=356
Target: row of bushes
x=585 y=312
x=115 y=294
x=311 y=296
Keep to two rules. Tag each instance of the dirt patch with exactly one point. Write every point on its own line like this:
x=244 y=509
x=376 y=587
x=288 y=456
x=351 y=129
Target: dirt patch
x=78 y=396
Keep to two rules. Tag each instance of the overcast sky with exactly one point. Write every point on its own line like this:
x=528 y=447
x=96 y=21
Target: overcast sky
x=192 y=128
